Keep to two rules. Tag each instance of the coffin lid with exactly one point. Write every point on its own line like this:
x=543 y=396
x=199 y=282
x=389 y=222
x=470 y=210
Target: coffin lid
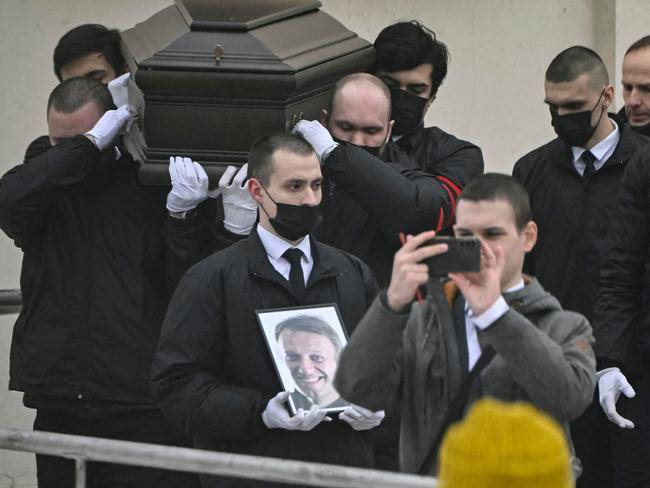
x=241 y=15
x=239 y=36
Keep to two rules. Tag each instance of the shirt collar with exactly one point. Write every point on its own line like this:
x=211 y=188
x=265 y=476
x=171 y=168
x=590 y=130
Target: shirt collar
x=518 y=286
x=602 y=148
x=276 y=246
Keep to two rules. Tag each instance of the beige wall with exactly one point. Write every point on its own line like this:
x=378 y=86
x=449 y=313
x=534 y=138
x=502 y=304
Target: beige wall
x=492 y=95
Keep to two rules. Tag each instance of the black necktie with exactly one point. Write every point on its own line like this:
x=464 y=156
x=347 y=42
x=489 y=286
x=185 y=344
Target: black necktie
x=296 y=278
x=588 y=159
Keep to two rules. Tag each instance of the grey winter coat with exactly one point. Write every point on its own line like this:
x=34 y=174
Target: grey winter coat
x=544 y=356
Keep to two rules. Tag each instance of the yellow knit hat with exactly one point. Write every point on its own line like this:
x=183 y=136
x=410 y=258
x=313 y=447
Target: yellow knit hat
x=505 y=445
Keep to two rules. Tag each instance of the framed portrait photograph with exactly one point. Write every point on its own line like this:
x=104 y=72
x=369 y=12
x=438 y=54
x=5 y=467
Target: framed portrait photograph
x=305 y=344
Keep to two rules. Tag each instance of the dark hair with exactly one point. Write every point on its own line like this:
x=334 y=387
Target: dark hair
x=309 y=323
x=360 y=78
x=642 y=43
x=406 y=45
x=496 y=186
x=260 y=157
x=87 y=39
x=576 y=61
x=73 y=93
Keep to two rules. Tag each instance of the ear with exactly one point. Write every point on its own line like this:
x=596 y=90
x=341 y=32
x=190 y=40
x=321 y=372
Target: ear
x=608 y=95
x=324 y=118
x=390 y=130
x=426 y=107
x=530 y=235
x=255 y=189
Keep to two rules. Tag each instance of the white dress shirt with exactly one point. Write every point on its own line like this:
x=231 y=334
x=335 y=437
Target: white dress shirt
x=601 y=151
x=483 y=321
x=276 y=246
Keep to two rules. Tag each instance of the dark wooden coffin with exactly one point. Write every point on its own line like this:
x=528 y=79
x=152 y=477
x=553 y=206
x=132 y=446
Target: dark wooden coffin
x=212 y=76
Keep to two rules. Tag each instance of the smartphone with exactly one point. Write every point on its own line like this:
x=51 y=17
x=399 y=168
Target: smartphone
x=463 y=256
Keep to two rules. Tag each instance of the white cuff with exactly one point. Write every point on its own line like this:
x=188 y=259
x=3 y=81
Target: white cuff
x=240 y=230
x=603 y=372
x=327 y=151
x=497 y=310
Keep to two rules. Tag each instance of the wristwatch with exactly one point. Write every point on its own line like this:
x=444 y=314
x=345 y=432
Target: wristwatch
x=178 y=215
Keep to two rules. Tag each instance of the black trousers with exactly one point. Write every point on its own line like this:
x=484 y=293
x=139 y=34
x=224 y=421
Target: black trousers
x=631 y=448
x=147 y=426
x=590 y=436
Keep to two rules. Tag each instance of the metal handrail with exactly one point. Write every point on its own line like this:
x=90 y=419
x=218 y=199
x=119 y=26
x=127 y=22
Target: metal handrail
x=83 y=449
x=11 y=301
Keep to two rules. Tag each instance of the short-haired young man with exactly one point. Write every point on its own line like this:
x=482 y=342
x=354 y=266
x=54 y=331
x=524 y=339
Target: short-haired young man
x=572 y=182
x=422 y=354
x=212 y=370
x=93 y=294
x=88 y=50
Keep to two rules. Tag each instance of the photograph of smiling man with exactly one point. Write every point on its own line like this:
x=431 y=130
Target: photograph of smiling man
x=306 y=344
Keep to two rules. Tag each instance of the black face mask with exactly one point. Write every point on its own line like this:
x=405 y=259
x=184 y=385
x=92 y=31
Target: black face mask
x=407 y=111
x=575 y=129
x=375 y=151
x=294 y=221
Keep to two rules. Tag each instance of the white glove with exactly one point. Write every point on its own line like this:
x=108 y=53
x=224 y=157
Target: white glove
x=275 y=415
x=239 y=208
x=611 y=382
x=189 y=184
x=361 y=418
x=119 y=88
x=318 y=136
x=109 y=126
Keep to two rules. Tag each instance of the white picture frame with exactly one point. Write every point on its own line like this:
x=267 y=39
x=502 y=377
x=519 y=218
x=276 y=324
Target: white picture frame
x=305 y=344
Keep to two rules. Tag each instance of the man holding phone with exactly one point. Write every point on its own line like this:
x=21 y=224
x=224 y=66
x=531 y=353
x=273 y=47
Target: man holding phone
x=492 y=333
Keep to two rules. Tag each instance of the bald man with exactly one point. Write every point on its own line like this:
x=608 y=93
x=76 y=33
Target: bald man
x=360 y=113
x=374 y=189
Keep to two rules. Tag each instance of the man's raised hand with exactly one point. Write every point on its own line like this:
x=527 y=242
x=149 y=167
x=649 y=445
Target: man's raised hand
x=482 y=289
x=409 y=272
